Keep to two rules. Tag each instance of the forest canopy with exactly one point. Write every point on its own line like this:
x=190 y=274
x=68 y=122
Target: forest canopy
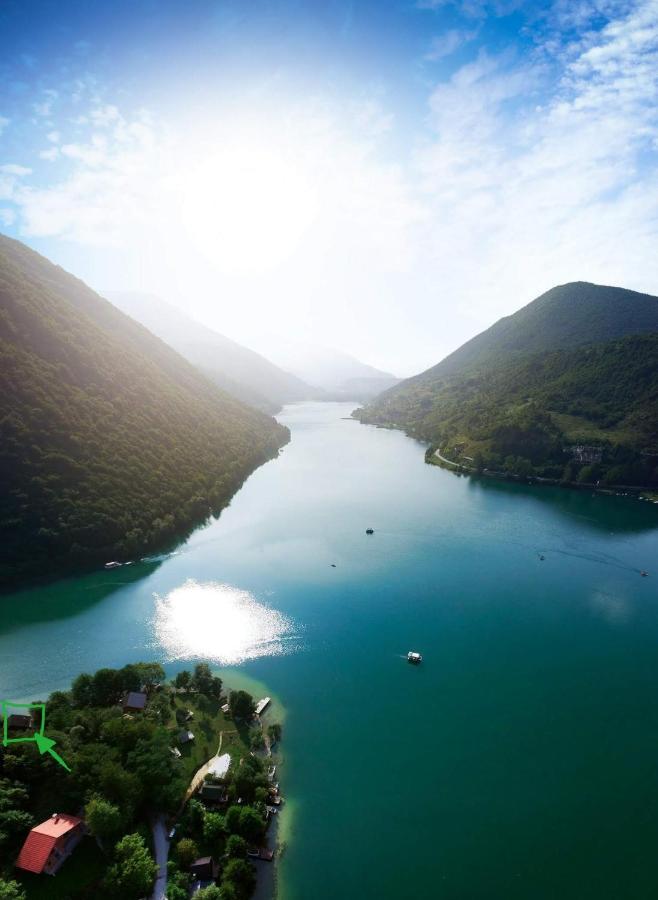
x=111 y=444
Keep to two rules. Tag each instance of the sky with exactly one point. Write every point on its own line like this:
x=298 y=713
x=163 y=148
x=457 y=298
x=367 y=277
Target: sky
x=385 y=178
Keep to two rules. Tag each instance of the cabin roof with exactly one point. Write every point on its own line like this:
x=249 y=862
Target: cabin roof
x=134 y=700
x=41 y=840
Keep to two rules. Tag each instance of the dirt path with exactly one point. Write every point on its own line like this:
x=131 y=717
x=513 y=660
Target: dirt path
x=201 y=773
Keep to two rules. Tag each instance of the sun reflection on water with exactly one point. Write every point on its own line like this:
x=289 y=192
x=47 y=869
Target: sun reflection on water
x=218 y=622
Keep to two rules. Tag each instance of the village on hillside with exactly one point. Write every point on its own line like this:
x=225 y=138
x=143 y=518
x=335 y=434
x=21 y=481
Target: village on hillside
x=171 y=789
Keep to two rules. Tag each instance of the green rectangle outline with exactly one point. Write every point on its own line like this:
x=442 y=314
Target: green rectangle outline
x=5 y=705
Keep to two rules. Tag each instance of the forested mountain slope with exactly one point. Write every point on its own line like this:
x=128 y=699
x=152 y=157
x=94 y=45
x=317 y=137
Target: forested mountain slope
x=236 y=369
x=111 y=444
x=578 y=366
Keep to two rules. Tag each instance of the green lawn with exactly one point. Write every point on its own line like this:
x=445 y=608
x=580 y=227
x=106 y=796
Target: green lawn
x=77 y=878
x=206 y=725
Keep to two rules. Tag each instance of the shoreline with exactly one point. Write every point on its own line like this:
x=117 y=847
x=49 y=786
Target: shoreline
x=267 y=873
x=433 y=457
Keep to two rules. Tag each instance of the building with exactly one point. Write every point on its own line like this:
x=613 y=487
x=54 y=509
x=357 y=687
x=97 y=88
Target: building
x=134 y=701
x=48 y=845
x=262 y=705
x=185 y=737
x=19 y=722
x=213 y=795
x=584 y=453
x=204 y=871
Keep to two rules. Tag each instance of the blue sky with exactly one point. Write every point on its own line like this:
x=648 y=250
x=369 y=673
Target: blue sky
x=386 y=178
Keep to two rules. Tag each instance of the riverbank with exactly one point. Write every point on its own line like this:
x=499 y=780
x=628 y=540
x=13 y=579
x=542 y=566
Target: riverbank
x=433 y=456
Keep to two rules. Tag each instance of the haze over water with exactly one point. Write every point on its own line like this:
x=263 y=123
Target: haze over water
x=519 y=761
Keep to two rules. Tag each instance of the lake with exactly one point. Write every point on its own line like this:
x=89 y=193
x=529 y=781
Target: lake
x=520 y=760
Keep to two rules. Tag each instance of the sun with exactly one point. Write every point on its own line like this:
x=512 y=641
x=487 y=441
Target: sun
x=246 y=207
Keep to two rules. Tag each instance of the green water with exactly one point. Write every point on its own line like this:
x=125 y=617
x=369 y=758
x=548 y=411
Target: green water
x=519 y=761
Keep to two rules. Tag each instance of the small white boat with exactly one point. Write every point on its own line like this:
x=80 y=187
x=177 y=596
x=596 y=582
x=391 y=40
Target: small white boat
x=113 y=565
x=414 y=657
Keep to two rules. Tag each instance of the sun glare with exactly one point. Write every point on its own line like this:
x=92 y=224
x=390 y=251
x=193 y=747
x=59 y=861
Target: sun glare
x=247 y=208
x=217 y=622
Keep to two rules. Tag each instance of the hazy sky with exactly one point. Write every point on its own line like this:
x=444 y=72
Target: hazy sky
x=384 y=177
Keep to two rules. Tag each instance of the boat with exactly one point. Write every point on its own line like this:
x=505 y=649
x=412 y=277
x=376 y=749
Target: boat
x=370 y=530
x=644 y=574
x=541 y=556
x=414 y=657
x=113 y=565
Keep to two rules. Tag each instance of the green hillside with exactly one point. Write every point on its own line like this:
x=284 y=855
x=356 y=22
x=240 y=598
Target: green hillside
x=577 y=366
x=235 y=369
x=111 y=444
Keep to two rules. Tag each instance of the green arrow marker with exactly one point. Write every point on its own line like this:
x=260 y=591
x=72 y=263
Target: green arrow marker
x=45 y=745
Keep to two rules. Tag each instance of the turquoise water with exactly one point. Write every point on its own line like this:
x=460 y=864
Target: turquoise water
x=519 y=761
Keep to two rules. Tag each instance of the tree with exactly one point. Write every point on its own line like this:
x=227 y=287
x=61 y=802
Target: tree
x=106 y=687
x=183 y=680
x=212 y=892
x=232 y=819
x=134 y=871
x=187 y=852
x=11 y=890
x=150 y=673
x=213 y=827
x=15 y=822
x=103 y=818
x=242 y=705
x=202 y=678
x=177 y=882
x=274 y=732
x=236 y=847
x=82 y=691
x=252 y=825
x=240 y=875
x=256 y=738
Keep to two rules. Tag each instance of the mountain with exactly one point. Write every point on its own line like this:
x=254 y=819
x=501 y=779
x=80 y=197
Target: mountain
x=577 y=366
x=337 y=373
x=236 y=369
x=111 y=444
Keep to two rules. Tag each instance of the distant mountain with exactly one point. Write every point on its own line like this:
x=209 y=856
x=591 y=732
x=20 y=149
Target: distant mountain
x=577 y=366
x=111 y=444
x=337 y=373
x=236 y=369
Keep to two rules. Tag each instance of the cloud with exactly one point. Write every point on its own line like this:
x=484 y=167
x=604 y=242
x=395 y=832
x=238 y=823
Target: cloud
x=476 y=9
x=445 y=44
x=3 y=123
x=531 y=171
x=14 y=169
x=7 y=217
x=535 y=186
x=44 y=108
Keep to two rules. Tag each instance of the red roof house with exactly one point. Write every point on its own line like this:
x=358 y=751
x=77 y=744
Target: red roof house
x=49 y=844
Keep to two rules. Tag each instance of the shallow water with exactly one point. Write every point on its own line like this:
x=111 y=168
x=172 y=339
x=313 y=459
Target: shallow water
x=520 y=760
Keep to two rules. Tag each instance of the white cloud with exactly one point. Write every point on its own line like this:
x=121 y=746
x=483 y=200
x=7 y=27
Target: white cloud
x=445 y=44
x=44 y=107
x=14 y=169
x=3 y=123
x=475 y=9
x=559 y=190
x=50 y=155
x=7 y=217
x=532 y=172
